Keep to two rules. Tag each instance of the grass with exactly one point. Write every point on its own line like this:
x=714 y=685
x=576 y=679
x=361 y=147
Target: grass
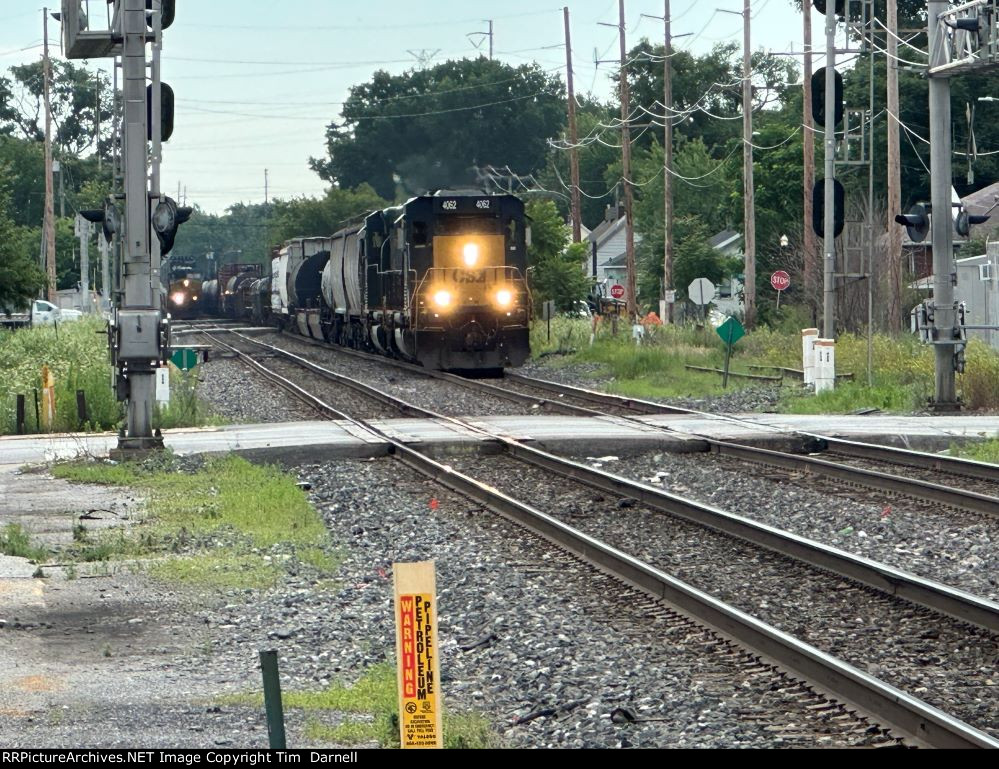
x=77 y=355
x=16 y=541
x=229 y=525
x=373 y=697
x=983 y=451
x=902 y=366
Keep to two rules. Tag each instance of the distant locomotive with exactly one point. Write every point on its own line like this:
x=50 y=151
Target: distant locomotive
x=185 y=292
x=439 y=280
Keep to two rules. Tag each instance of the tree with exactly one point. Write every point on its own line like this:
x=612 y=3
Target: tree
x=20 y=276
x=432 y=127
x=313 y=217
x=556 y=268
x=78 y=98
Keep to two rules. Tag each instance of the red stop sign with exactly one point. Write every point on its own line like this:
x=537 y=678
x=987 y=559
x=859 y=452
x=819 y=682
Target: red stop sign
x=617 y=291
x=780 y=280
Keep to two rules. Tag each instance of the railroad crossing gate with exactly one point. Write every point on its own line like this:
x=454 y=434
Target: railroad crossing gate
x=185 y=359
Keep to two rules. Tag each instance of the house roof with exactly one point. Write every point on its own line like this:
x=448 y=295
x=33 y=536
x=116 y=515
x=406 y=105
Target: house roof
x=723 y=238
x=605 y=231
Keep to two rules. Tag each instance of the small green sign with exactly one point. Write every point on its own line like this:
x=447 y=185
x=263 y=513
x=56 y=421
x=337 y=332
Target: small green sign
x=184 y=359
x=731 y=331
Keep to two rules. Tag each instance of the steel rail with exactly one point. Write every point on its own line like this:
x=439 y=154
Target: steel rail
x=946 y=495
x=889 y=706
x=933 y=595
x=509 y=395
x=984 y=471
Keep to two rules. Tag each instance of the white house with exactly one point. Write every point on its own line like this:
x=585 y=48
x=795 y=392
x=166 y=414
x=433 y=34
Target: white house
x=608 y=249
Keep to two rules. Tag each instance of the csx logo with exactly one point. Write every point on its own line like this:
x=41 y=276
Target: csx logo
x=469 y=276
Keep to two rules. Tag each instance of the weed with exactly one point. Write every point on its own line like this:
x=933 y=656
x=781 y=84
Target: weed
x=79 y=532
x=222 y=519
x=106 y=650
x=15 y=541
x=374 y=696
x=70 y=571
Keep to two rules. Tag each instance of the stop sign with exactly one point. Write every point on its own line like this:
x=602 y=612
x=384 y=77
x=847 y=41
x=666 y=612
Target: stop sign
x=617 y=291
x=780 y=280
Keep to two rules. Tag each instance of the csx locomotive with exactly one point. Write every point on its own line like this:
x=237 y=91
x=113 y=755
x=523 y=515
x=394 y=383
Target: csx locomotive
x=439 y=281
x=184 y=296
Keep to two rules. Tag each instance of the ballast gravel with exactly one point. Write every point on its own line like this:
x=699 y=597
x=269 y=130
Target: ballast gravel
x=950 y=546
x=238 y=395
x=543 y=646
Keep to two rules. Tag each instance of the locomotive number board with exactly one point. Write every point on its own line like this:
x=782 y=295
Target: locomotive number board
x=464 y=205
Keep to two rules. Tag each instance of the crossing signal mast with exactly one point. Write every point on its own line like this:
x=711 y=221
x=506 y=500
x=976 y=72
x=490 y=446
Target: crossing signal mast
x=139 y=332
x=962 y=39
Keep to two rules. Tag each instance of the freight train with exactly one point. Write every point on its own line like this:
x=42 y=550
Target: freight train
x=439 y=280
x=185 y=296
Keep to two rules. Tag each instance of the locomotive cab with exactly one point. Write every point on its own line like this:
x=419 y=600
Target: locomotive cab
x=470 y=305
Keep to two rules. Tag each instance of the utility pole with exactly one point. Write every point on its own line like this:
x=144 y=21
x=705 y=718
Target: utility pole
x=749 y=204
x=490 y=39
x=629 y=221
x=266 y=190
x=577 y=233
x=894 y=174
x=945 y=317
x=808 y=152
x=828 y=226
x=102 y=244
x=49 y=216
x=667 y=162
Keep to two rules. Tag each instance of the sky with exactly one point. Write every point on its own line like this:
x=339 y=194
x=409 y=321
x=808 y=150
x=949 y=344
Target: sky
x=258 y=81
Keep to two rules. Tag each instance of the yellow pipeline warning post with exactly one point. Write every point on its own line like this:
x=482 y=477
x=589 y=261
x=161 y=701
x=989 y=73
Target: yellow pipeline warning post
x=416 y=653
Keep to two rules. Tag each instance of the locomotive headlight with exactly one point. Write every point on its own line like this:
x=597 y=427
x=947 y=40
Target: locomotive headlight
x=470 y=254
x=186 y=283
x=504 y=297
x=442 y=298
x=177 y=297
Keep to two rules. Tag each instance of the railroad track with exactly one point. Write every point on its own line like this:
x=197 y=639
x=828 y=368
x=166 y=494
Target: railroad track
x=888 y=705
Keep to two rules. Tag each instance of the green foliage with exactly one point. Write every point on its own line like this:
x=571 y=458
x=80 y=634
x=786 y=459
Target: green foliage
x=185 y=408
x=982 y=451
x=313 y=217
x=232 y=524
x=20 y=277
x=557 y=268
x=16 y=541
x=427 y=128
x=374 y=695
x=77 y=355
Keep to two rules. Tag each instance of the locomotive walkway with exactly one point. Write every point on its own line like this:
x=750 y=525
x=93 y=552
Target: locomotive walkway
x=292 y=441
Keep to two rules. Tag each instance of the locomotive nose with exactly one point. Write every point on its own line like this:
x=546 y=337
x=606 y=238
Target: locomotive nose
x=475 y=336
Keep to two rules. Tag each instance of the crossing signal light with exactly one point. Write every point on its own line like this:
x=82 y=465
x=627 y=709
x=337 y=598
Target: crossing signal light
x=168 y=10
x=820 y=6
x=819 y=97
x=916 y=222
x=166 y=112
x=167 y=218
x=964 y=221
x=108 y=217
x=819 y=208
